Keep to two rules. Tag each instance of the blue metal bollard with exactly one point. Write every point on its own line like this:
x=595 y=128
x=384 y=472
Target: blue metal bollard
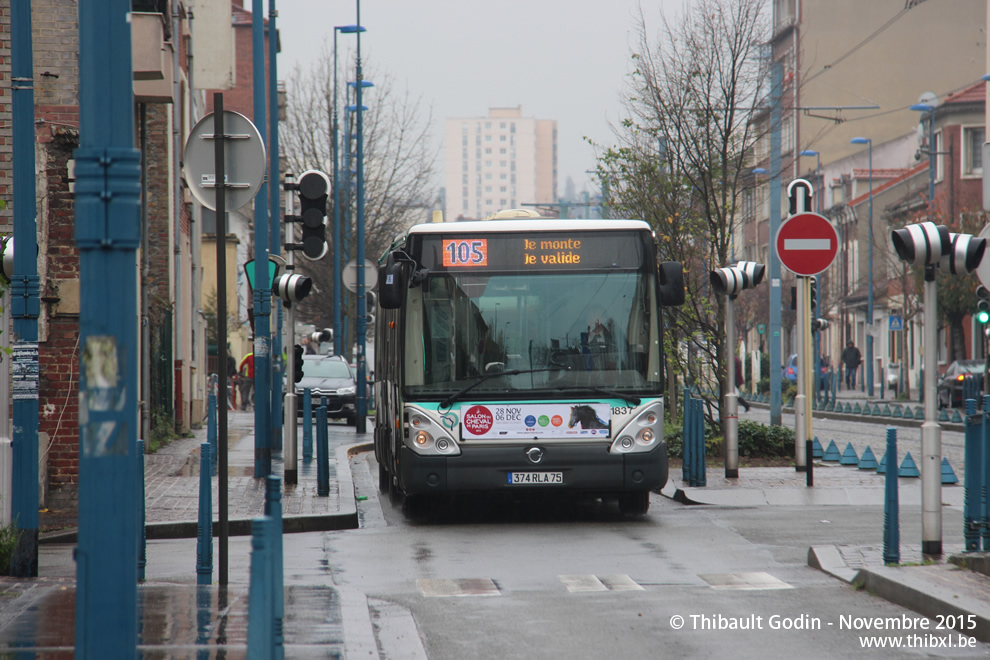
x=211 y=425
x=686 y=437
x=891 y=531
x=273 y=510
x=204 y=537
x=260 y=633
x=985 y=470
x=322 y=453
x=307 y=443
x=973 y=488
x=142 y=514
x=699 y=430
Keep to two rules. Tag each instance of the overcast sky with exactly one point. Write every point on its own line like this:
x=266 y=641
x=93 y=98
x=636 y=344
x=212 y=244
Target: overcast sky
x=563 y=60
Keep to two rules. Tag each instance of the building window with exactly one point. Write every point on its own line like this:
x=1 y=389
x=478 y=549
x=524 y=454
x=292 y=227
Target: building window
x=501 y=163
x=973 y=138
x=465 y=181
x=488 y=176
x=501 y=138
x=502 y=176
x=503 y=202
x=512 y=127
x=488 y=188
x=488 y=163
x=488 y=125
x=502 y=189
x=502 y=151
x=463 y=140
x=465 y=192
x=488 y=151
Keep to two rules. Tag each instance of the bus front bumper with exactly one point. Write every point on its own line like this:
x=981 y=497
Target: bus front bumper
x=584 y=468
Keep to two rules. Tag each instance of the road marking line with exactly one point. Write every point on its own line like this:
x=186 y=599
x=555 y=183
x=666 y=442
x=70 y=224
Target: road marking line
x=744 y=581
x=463 y=587
x=620 y=583
x=576 y=583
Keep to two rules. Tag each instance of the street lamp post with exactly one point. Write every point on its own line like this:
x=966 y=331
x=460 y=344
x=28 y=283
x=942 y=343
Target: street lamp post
x=869 y=286
x=337 y=296
x=362 y=395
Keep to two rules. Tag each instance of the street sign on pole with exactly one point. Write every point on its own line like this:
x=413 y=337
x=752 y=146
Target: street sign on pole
x=244 y=156
x=349 y=276
x=807 y=244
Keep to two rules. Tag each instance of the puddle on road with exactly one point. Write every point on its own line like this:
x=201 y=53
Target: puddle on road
x=186 y=616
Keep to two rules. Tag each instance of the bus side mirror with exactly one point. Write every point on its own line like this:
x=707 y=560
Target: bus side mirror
x=671 y=284
x=391 y=284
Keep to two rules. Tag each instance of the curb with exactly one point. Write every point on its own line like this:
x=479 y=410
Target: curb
x=346 y=518
x=900 y=587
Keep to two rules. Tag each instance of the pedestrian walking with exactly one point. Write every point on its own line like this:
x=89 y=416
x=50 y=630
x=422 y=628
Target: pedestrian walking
x=851 y=358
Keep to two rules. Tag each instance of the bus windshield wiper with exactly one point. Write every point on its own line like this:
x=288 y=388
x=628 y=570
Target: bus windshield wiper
x=482 y=378
x=629 y=398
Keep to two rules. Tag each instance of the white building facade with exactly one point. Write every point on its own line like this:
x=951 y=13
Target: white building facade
x=496 y=162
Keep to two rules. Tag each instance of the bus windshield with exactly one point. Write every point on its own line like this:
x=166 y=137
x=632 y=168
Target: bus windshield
x=571 y=331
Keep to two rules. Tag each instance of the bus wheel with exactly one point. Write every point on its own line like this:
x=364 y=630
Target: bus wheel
x=636 y=503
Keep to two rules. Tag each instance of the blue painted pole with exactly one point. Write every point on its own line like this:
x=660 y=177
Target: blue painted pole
x=699 y=421
x=337 y=251
x=362 y=320
x=204 y=534
x=273 y=510
x=322 y=453
x=108 y=235
x=211 y=425
x=142 y=516
x=261 y=636
x=307 y=425
x=262 y=284
x=891 y=531
x=985 y=474
x=776 y=361
x=973 y=488
x=686 y=437
x=275 y=226
x=25 y=304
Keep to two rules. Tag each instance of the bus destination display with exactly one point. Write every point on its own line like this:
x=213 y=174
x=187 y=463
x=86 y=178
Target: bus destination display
x=535 y=251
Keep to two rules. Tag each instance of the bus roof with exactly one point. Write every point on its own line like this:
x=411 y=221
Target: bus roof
x=541 y=224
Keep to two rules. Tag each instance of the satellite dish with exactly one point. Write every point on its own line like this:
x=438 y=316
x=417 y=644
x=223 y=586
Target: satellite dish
x=928 y=98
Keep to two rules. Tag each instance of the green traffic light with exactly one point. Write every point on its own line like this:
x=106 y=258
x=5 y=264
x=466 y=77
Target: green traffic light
x=983 y=316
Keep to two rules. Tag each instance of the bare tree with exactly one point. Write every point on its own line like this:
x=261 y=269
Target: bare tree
x=399 y=163
x=683 y=155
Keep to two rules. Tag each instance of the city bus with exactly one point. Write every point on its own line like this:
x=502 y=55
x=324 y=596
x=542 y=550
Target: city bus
x=523 y=354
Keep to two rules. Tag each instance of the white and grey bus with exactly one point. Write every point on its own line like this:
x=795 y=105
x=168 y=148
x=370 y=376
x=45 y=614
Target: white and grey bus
x=523 y=354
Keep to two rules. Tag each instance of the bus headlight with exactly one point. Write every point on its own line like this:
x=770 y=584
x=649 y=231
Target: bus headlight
x=643 y=432
x=427 y=437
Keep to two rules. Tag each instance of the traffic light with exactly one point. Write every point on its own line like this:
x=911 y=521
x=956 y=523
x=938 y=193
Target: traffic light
x=818 y=325
x=314 y=188
x=982 y=304
x=298 y=362
x=291 y=287
x=813 y=295
x=731 y=280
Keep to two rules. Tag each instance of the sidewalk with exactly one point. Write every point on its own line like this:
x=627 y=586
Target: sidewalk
x=957 y=583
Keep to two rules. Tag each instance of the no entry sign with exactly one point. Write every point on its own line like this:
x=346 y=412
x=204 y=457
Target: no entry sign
x=807 y=243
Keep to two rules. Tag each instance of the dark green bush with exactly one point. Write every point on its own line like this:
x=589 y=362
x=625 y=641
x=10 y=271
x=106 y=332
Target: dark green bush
x=9 y=536
x=761 y=441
